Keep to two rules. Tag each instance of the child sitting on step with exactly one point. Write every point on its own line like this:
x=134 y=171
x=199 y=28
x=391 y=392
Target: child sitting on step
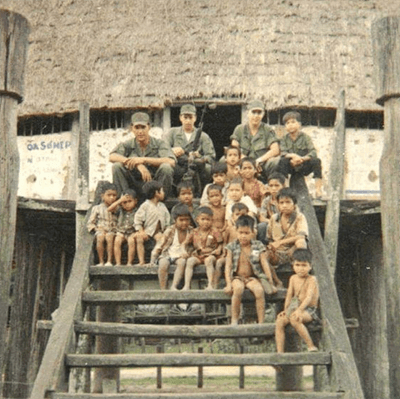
x=207 y=243
x=104 y=223
x=246 y=267
x=125 y=225
x=170 y=249
x=151 y=219
x=185 y=192
x=301 y=303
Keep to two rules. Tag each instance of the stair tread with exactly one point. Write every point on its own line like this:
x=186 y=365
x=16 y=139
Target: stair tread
x=205 y=395
x=195 y=359
x=165 y=296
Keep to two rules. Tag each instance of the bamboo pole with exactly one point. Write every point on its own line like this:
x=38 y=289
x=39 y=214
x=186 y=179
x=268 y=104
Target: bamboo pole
x=14 y=31
x=386 y=52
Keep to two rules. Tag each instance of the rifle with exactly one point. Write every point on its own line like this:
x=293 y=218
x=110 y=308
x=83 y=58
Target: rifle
x=193 y=146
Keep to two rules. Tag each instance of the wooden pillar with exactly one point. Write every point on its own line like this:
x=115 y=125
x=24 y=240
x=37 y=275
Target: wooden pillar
x=14 y=31
x=386 y=52
x=332 y=215
x=106 y=380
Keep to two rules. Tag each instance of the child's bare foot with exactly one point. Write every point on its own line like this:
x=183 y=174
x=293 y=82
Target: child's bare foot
x=108 y=264
x=129 y=264
x=313 y=349
x=117 y=264
x=185 y=288
x=209 y=288
x=100 y=264
x=173 y=288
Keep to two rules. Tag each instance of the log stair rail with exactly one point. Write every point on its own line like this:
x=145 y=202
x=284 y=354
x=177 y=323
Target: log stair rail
x=67 y=363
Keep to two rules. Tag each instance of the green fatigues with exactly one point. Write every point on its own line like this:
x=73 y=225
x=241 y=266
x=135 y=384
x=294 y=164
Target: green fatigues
x=176 y=137
x=302 y=146
x=124 y=178
x=256 y=146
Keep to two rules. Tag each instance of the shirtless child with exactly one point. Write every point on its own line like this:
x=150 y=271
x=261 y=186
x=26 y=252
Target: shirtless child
x=301 y=302
x=215 y=198
x=246 y=267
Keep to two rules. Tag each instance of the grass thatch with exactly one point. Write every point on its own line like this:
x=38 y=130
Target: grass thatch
x=128 y=53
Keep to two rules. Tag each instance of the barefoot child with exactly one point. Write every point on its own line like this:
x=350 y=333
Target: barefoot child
x=230 y=234
x=218 y=172
x=215 y=199
x=236 y=194
x=125 y=225
x=269 y=206
x=287 y=230
x=252 y=187
x=151 y=219
x=301 y=303
x=104 y=223
x=170 y=249
x=232 y=162
x=246 y=267
x=185 y=191
x=207 y=243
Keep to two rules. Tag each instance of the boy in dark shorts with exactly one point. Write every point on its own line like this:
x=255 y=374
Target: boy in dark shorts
x=301 y=303
x=151 y=219
x=298 y=152
x=246 y=267
x=185 y=191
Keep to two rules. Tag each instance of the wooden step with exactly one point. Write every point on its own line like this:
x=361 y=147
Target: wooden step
x=180 y=331
x=204 y=395
x=194 y=360
x=159 y=296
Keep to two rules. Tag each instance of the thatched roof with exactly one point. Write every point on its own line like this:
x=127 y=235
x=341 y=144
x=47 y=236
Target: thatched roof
x=127 y=53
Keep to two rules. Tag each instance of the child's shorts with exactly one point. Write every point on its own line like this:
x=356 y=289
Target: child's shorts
x=172 y=261
x=109 y=233
x=126 y=235
x=313 y=312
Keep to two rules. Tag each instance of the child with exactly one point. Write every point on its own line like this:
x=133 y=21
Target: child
x=298 y=152
x=252 y=187
x=232 y=158
x=170 y=249
x=269 y=206
x=236 y=194
x=104 y=223
x=125 y=225
x=287 y=229
x=151 y=218
x=301 y=303
x=218 y=172
x=230 y=234
x=215 y=200
x=207 y=244
x=185 y=196
x=246 y=267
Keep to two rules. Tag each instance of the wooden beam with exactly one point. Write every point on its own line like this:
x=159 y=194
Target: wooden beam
x=343 y=365
x=14 y=31
x=386 y=52
x=52 y=373
x=332 y=214
x=158 y=296
x=195 y=360
x=210 y=395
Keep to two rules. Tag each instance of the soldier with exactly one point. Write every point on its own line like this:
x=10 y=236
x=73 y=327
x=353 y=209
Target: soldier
x=181 y=141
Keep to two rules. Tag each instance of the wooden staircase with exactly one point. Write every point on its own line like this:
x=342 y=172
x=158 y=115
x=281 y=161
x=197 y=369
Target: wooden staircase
x=334 y=366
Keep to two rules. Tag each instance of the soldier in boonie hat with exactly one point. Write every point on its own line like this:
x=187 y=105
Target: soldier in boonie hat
x=140 y=118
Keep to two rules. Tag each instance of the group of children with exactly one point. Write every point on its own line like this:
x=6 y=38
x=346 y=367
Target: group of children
x=242 y=227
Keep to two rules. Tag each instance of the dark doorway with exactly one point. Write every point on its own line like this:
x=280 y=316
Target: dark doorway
x=219 y=123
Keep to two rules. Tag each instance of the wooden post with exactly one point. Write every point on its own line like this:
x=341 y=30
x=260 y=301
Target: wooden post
x=332 y=215
x=14 y=31
x=104 y=344
x=386 y=52
x=200 y=379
